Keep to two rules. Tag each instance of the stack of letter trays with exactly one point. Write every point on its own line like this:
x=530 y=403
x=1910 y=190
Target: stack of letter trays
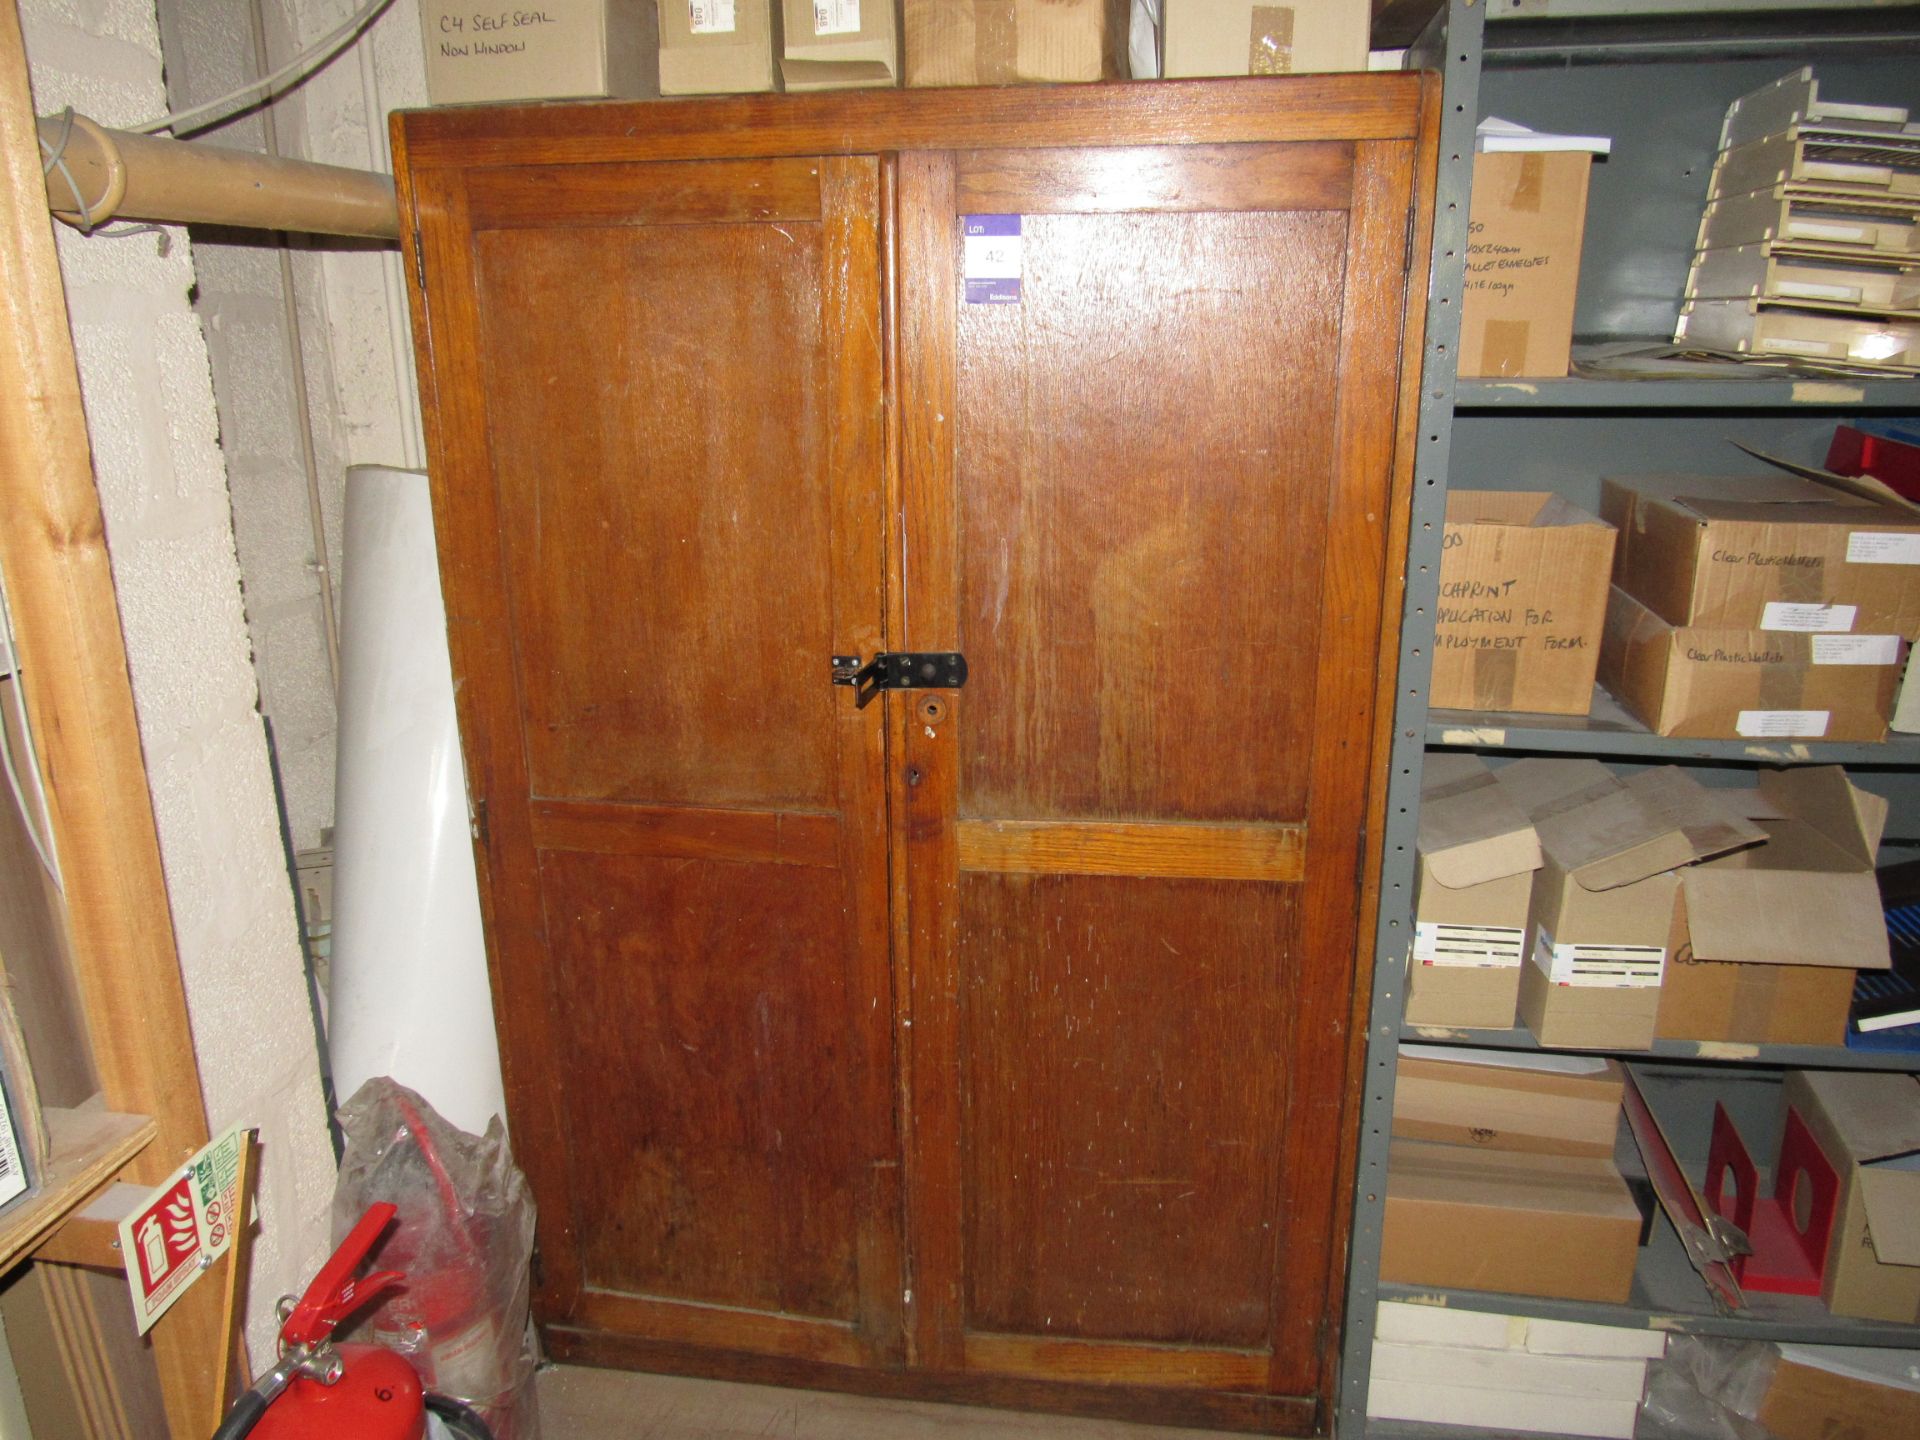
x=1810 y=244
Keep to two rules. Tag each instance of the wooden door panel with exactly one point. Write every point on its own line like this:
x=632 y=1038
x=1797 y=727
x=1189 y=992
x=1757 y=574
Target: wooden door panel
x=1139 y=500
x=1124 y=1050
x=673 y=496
x=666 y=570
x=707 y=1003
x=1138 y=519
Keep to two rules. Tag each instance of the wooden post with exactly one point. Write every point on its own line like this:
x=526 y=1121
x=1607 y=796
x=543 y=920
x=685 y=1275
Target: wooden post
x=53 y=551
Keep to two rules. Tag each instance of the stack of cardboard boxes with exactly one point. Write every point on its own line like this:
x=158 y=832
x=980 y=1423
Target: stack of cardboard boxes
x=1507 y=1372
x=570 y=49
x=1501 y=1176
x=1807 y=247
x=1758 y=606
x=1608 y=911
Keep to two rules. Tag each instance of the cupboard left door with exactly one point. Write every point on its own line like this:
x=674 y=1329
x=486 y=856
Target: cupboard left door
x=656 y=418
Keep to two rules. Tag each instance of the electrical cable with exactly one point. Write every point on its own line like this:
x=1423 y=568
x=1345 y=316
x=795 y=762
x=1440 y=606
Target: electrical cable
x=55 y=154
x=305 y=62
x=38 y=835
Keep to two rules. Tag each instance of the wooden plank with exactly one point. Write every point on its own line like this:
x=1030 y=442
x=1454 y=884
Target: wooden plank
x=90 y=1236
x=926 y=778
x=1196 y=177
x=1172 y=850
x=851 y=302
x=487 y=703
x=89 y=1147
x=1374 y=325
x=1386 y=685
x=1175 y=1366
x=771 y=837
x=857 y=122
x=60 y=583
x=709 y=192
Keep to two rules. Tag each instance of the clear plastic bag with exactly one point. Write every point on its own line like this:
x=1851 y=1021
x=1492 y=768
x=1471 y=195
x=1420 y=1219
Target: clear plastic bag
x=1707 y=1390
x=464 y=1238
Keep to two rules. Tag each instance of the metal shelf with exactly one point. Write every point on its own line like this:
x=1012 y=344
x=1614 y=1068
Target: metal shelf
x=1798 y=1057
x=1688 y=386
x=1669 y=1295
x=1607 y=729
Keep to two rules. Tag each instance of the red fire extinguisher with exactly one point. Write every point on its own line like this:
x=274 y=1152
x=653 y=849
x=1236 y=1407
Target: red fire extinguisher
x=322 y=1391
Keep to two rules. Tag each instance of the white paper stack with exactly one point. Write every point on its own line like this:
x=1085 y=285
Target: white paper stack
x=1810 y=242
x=1508 y=1372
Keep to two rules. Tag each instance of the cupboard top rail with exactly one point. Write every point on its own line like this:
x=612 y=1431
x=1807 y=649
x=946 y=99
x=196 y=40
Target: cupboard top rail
x=1381 y=106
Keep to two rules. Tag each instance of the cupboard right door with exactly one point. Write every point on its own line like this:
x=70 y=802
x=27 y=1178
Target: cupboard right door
x=1147 y=460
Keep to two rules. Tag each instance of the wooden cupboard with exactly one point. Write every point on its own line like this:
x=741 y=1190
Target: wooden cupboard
x=993 y=1043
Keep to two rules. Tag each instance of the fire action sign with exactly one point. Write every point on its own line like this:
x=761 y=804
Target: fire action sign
x=176 y=1233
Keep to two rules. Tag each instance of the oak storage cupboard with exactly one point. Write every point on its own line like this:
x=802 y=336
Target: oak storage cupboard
x=991 y=1043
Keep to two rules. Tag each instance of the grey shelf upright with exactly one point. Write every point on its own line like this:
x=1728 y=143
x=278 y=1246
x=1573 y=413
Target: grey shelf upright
x=1563 y=65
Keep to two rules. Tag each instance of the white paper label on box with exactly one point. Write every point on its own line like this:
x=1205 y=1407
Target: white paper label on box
x=836 y=17
x=1883 y=547
x=1812 y=619
x=1781 y=724
x=1600 y=967
x=990 y=259
x=1482 y=947
x=710 y=17
x=13 y=1173
x=1856 y=649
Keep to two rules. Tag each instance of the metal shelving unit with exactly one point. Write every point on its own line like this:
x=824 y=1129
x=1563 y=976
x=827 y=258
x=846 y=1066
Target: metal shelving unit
x=1562 y=65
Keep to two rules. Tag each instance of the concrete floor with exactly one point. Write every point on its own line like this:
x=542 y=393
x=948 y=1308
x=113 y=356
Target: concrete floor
x=583 y=1404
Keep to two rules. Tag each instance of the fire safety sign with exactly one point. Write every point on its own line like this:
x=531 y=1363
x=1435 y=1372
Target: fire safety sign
x=178 y=1231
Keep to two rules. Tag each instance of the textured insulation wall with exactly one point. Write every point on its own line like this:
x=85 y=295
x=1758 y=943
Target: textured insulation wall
x=163 y=483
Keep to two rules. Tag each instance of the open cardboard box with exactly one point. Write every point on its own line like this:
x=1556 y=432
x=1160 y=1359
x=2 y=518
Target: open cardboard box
x=1776 y=932
x=1868 y=1125
x=1603 y=900
x=1477 y=858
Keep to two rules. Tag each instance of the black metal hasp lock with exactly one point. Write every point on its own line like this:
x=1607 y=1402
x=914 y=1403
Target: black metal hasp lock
x=900 y=670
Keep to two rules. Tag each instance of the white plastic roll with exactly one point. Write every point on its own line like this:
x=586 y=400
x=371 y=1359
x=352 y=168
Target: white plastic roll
x=408 y=995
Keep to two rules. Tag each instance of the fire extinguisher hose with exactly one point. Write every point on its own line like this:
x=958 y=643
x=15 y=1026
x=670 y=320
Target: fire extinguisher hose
x=462 y=1419
x=244 y=1415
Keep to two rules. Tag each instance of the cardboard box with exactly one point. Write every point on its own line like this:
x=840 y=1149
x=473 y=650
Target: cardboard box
x=1603 y=900
x=1716 y=683
x=1507 y=1220
x=1477 y=855
x=1505 y=1390
x=1752 y=1004
x=1402 y=1323
x=1523 y=600
x=1527 y=217
x=1500 y=1100
x=1244 y=37
x=559 y=50
x=718 y=47
x=1840 y=1392
x=1868 y=1125
x=1765 y=552
x=1808 y=896
x=839 y=44
x=1010 y=42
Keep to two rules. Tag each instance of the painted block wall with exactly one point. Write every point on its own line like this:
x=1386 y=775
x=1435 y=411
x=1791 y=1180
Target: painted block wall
x=148 y=390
